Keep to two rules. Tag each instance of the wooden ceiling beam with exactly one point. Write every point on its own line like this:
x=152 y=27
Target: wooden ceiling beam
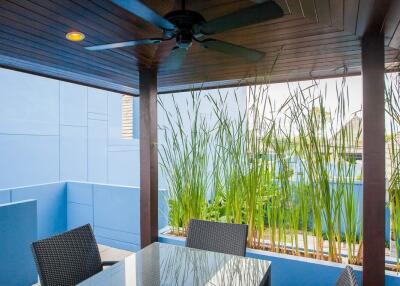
x=371 y=16
x=27 y=66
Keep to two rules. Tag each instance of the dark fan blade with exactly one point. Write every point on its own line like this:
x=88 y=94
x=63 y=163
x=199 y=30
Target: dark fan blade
x=248 y=16
x=142 y=11
x=175 y=59
x=231 y=49
x=124 y=44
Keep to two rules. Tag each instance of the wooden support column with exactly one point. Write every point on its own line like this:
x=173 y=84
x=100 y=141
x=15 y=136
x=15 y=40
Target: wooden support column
x=373 y=159
x=148 y=156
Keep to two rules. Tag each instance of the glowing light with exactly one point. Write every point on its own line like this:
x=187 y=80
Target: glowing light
x=75 y=36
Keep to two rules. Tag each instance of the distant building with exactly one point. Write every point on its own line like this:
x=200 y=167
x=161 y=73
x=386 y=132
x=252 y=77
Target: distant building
x=351 y=136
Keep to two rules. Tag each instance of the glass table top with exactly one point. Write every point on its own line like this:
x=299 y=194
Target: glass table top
x=166 y=264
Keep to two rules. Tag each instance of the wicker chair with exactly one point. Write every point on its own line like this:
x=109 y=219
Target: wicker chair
x=68 y=258
x=347 y=278
x=219 y=237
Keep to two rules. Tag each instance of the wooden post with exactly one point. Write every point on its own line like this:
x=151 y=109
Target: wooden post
x=373 y=159
x=148 y=156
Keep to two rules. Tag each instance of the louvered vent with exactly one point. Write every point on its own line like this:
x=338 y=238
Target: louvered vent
x=127 y=117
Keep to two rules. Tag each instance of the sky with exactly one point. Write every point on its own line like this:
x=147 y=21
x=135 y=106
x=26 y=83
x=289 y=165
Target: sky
x=278 y=93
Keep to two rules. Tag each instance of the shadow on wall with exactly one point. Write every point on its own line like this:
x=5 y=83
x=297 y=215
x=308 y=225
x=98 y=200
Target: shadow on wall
x=36 y=212
x=113 y=211
x=18 y=229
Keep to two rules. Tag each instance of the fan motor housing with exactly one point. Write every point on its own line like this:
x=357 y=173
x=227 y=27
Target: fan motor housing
x=184 y=20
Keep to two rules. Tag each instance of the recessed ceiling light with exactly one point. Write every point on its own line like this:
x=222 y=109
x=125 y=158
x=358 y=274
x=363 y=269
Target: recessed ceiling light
x=75 y=36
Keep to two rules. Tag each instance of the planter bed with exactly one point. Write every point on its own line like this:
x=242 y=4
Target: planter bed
x=295 y=270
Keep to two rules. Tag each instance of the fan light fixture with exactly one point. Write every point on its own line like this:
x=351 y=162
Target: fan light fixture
x=75 y=36
x=187 y=27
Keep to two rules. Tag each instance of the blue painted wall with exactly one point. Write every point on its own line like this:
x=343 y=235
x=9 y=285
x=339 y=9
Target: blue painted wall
x=358 y=191
x=18 y=229
x=5 y=196
x=54 y=131
x=113 y=211
x=309 y=272
x=51 y=205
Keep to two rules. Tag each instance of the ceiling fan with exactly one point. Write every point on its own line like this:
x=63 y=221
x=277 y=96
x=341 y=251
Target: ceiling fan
x=187 y=26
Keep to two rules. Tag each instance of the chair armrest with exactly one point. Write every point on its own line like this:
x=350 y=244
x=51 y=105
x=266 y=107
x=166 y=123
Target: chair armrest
x=108 y=263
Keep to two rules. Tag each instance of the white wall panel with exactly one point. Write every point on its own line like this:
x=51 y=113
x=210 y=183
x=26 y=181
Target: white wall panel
x=73 y=106
x=28 y=104
x=73 y=153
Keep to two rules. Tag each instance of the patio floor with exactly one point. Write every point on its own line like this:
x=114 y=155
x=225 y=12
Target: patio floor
x=112 y=254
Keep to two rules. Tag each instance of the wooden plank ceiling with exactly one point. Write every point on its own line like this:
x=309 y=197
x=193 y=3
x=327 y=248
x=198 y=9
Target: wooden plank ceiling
x=315 y=38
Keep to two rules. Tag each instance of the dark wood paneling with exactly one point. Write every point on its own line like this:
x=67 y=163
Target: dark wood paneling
x=34 y=31
x=392 y=25
x=337 y=13
x=42 y=13
x=395 y=40
x=148 y=157
x=371 y=16
x=323 y=11
x=28 y=66
x=308 y=9
x=42 y=33
x=350 y=15
x=373 y=160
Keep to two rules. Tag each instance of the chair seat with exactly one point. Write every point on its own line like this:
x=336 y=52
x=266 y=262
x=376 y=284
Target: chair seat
x=218 y=237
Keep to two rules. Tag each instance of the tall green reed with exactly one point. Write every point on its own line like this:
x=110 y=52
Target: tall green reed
x=348 y=142
x=184 y=159
x=272 y=168
x=323 y=143
x=392 y=93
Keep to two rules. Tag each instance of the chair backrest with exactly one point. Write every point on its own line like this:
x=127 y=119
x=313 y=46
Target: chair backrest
x=347 y=277
x=67 y=258
x=219 y=237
